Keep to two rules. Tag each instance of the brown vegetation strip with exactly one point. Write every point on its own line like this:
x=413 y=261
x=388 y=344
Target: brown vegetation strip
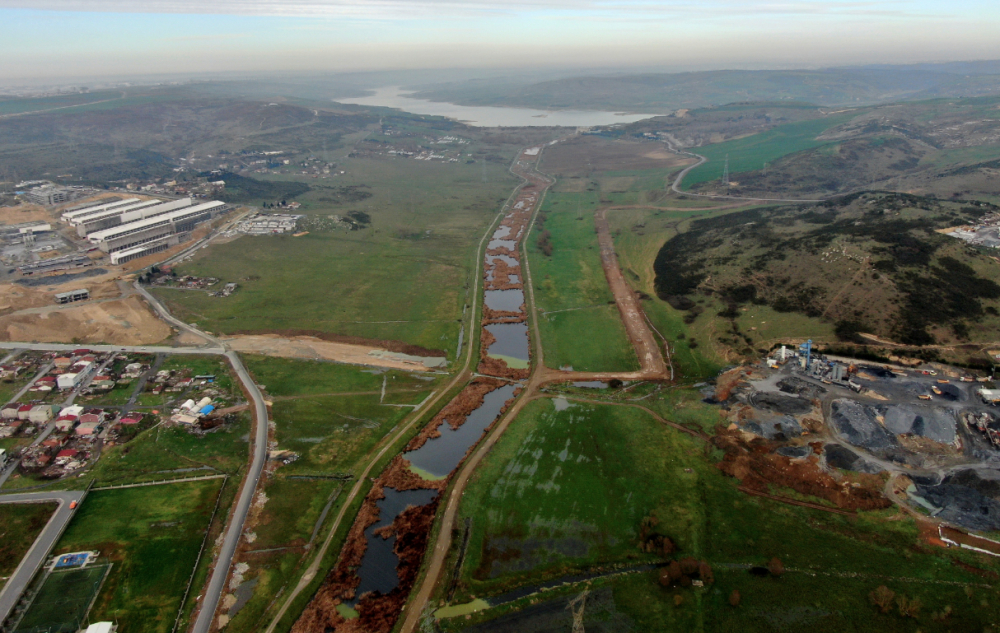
x=378 y=613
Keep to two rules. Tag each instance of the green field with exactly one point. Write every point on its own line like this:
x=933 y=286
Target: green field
x=285 y=377
x=62 y=601
x=20 y=524
x=579 y=322
x=752 y=152
x=404 y=277
x=565 y=491
x=152 y=535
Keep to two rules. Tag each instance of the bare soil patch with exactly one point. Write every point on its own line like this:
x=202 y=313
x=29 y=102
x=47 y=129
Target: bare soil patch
x=123 y=322
x=23 y=213
x=313 y=347
x=584 y=154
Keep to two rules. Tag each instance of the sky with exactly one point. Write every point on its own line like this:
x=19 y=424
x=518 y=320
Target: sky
x=46 y=39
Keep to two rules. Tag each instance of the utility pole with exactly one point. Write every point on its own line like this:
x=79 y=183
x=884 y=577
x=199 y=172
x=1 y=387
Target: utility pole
x=576 y=607
x=725 y=172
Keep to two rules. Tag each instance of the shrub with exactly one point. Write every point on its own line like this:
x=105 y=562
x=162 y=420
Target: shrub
x=734 y=598
x=882 y=597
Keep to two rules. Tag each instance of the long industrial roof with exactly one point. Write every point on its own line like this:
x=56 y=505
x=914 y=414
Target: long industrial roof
x=139 y=225
x=145 y=210
x=69 y=215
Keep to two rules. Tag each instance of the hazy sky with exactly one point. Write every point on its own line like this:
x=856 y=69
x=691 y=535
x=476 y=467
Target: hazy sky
x=63 y=38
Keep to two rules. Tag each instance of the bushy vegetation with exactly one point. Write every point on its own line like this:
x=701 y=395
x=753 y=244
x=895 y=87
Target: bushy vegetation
x=246 y=189
x=866 y=262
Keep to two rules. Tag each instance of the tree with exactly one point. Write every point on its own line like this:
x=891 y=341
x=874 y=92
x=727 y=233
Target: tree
x=734 y=598
x=908 y=608
x=776 y=567
x=705 y=573
x=668 y=546
x=882 y=597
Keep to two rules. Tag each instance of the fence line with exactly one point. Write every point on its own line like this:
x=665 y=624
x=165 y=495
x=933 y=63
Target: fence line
x=160 y=482
x=194 y=570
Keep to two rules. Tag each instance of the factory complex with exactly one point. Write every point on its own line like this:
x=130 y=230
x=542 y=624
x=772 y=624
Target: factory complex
x=132 y=228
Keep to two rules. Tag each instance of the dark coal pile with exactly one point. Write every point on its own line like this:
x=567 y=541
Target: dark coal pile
x=857 y=424
x=773 y=428
x=950 y=392
x=878 y=372
x=963 y=506
x=934 y=423
x=799 y=387
x=778 y=403
x=845 y=459
x=795 y=452
x=52 y=280
x=986 y=482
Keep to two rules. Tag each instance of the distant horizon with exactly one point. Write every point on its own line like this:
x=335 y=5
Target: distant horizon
x=53 y=40
x=151 y=80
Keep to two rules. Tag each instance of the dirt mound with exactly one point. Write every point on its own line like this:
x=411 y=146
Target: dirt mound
x=310 y=347
x=797 y=386
x=123 y=322
x=758 y=469
x=393 y=346
x=787 y=405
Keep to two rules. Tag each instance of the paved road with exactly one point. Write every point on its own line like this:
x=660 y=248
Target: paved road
x=165 y=314
x=217 y=582
x=146 y=349
x=40 y=549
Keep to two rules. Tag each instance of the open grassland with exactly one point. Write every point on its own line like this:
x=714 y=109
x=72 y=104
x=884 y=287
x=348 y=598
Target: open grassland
x=284 y=532
x=165 y=453
x=579 y=322
x=331 y=433
x=20 y=524
x=639 y=234
x=152 y=535
x=405 y=276
x=752 y=152
x=565 y=490
x=19 y=106
x=286 y=378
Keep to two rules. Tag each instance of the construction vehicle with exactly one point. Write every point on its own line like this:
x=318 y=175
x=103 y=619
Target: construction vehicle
x=924 y=396
x=936 y=391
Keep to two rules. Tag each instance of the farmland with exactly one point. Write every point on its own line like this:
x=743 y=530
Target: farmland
x=539 y=511
x=752 y=152
x=152 y=535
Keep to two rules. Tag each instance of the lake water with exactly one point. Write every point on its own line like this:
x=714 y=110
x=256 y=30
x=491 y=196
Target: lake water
x=488 y=116
x=505 y=300
x=511 y=340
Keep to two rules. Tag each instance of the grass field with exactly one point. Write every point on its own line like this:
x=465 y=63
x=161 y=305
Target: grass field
x=152 y=535
x=405 y=277
x=61 y=603
x=579 y=322
x=566 y=490
x=752 y=152
x=285 y=377
x=20 y=524
x=164 y=453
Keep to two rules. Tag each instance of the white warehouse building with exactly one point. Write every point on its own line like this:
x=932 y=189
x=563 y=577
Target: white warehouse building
x=116 y=217
x=142 y=237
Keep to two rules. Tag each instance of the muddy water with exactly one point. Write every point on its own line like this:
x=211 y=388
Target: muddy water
x=508 y=244
x=440 y=455
x=507 y=259
x=512 y=340
x=591 y=384
x=505 y=300
x=378 y=567
x=514 y=279
x=501 y=233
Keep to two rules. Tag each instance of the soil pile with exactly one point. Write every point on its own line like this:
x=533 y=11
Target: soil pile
x=757 y=468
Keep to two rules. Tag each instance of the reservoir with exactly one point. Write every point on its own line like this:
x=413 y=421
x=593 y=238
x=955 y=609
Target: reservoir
x=490 y=116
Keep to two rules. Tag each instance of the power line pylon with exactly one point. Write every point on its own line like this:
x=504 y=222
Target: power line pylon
x=576 y=607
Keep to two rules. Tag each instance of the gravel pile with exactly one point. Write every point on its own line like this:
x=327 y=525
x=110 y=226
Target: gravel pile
x=845 y=459
x=963 y=506
x=857 y=424
x=795 y=452
x=788 y=405
x=773 y=428
x=799 y=387
x=934 y=423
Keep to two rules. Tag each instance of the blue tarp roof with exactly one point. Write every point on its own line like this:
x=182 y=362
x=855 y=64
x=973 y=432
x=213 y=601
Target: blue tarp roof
x=207 y=409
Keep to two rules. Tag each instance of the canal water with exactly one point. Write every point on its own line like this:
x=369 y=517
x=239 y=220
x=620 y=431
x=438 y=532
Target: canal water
x=511 y=340
x=505 y=300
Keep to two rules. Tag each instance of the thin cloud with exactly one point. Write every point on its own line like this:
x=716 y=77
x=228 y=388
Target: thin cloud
x=444 y=9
